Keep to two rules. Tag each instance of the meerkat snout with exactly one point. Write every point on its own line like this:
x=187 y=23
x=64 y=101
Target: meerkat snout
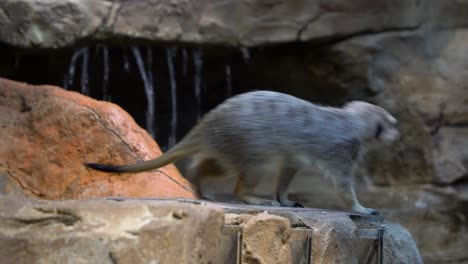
x=387 y=132
x=390 y=136
x=381 y=122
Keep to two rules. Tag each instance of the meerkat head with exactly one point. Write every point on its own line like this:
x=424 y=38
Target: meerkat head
x=380 y=124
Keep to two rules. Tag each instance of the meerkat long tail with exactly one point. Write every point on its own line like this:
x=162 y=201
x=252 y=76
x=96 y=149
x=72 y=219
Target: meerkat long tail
x=186 y=147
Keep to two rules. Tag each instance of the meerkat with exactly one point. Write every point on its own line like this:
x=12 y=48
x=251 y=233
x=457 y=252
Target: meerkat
x=278 y=135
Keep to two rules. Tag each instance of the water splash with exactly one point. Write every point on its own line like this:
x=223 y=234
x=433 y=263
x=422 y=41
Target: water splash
x=228 y=81
x=198 y=64
x=84 y=72
x=70 y=75
x=246 y=55
x=105 y=80
x=149 y=90
x=170 y=53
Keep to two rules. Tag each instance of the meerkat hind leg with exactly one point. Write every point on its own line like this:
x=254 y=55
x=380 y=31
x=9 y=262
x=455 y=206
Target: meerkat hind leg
x=284 y=179
x=202 y=168
x=245 y=187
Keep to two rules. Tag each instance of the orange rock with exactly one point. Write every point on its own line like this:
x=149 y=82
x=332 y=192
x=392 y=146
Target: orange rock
x=47 y=134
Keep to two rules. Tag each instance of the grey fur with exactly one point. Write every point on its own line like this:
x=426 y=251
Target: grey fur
x=270 y=133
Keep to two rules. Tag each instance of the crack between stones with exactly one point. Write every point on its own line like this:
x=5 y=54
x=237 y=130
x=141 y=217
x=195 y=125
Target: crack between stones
x=130 y=148
x=460 y=181
x=110 y=19
x=99 y=119
x=306 y=25
x=51 y=215
x=366 y=33
x=441 y=122
x=17 y=180
x=7 y=14
x=112 y=258
x=363 y=33
x=172 y=179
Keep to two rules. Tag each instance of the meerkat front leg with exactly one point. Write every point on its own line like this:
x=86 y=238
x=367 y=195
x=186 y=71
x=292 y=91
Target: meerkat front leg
x=284 y=179
x=346 y=187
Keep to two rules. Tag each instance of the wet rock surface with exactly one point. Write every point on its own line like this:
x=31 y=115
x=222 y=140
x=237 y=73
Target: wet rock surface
x=188 y=231
x=49 y=133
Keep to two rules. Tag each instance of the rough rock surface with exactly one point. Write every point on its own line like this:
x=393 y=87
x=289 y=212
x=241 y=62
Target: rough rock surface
x=422 y=181
x=163 y=231
x=99 y=231
x=408 y=56
x=265 y=227
x=42 y=23
x=49 y=133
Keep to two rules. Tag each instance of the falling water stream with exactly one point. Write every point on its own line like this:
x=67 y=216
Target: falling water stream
x=149 y=90
x=70 y=75
x=84 y=72
x=105 y=78
x=198 y=64
x=149 y=65
x=190 y=72
x=170 y=53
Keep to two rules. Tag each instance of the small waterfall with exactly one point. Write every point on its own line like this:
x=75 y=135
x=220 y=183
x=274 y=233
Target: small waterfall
x=149 y=90
x=70 y=75
x=105 y=79
x=228 y=81
x=170 y=53
x=84 y=72
x=245 y=55
x=149 y=64
x=198 y=64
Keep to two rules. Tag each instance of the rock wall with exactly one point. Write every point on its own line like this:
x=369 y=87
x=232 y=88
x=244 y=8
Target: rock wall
x=158 y=231
x=408 y=56
x=248 y=23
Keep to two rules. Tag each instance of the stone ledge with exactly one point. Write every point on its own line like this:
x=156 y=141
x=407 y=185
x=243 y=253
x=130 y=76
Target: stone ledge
x=191 y=231
x=59 y=23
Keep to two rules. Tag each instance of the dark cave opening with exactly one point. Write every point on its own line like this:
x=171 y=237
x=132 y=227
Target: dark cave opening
x=304 y=70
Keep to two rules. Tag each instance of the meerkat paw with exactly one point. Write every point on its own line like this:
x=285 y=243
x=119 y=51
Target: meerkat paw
x=208 y=198
x=364 y=210
x=259 y=201
x=291 y=204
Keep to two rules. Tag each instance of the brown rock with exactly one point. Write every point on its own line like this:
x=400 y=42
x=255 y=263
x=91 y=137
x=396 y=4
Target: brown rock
x=48 y=133
x=266 y=239
x=334 y=239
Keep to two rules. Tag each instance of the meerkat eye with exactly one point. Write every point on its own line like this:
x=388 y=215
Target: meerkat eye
x=378 y=131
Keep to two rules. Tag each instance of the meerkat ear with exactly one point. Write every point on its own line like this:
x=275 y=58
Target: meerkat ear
x=378 y=131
